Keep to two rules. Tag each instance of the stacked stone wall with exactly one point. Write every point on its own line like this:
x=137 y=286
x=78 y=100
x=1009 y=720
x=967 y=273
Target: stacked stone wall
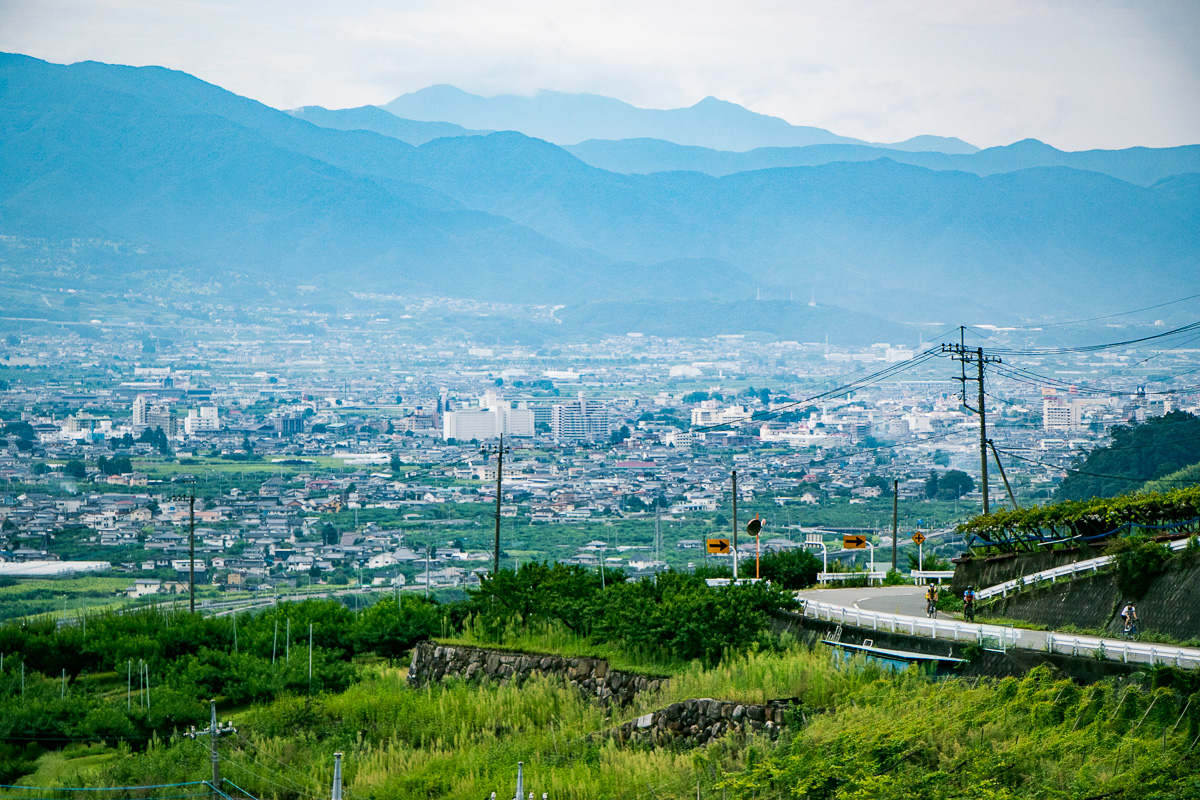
x=694 y=722
x=591 y=676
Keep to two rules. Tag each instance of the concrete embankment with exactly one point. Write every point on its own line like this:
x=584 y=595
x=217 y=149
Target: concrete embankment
x=1169 y=605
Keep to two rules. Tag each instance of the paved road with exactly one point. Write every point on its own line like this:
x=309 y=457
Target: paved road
x=908 y=600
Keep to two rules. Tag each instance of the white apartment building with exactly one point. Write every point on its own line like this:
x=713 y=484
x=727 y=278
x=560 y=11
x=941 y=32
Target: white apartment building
x=580 y=420
x=493 y=416
x=202 y=420
x=710 y=413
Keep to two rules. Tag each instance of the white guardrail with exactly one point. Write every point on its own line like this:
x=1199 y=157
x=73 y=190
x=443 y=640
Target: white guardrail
x=1109 y=648
x=922 y=575
x=825 y=577
x=1052 y=575
x=1004 y=636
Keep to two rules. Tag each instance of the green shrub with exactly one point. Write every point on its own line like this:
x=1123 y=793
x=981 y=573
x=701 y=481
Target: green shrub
x=1137 y=561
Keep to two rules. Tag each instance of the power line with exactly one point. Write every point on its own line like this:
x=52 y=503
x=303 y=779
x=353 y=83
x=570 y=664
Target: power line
x=1011 y=454
x=1106 y=316
x=1097 y=347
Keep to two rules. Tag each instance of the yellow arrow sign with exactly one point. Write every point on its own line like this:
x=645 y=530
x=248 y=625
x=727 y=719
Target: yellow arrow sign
x=853 y=542
x=718 y=545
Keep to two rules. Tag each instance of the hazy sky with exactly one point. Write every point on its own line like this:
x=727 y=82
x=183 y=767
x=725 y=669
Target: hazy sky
x=1075 y=73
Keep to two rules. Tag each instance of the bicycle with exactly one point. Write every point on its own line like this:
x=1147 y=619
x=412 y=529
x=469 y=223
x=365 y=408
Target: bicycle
x=969 y=611
x=930 y=608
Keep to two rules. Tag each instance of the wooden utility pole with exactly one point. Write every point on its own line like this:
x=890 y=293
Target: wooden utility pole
x=895 y=517
x=963 y=355
x=500 y=450
x=735 y=527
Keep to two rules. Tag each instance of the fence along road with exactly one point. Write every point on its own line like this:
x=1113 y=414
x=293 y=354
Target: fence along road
x=863 y=607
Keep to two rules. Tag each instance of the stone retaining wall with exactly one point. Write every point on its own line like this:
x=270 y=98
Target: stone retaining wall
x=694 y=722
x=433 y=662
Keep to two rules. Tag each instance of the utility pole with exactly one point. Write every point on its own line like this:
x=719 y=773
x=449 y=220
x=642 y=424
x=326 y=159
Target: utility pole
x=215 y=731
x=337 y=776
x=963 y=355
x=735 y=529
x=191 y=498
x=895 y=517
x=500 y=451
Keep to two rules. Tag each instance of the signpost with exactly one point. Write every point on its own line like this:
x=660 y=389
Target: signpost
x=754 y=527
x=718 y=546
x=919 y=538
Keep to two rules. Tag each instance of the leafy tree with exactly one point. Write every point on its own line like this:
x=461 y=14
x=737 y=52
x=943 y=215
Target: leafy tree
x=390 y=629
x=954 y=484
x=931 y=485
x=796 y=568
x=881 y=482
x=690 y=397
x=75 y=469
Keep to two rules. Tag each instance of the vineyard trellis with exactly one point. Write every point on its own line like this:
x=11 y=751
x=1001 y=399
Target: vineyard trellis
x=1085 y=521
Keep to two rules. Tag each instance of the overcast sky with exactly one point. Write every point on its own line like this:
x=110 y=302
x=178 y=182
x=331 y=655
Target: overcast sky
x=1075 y=73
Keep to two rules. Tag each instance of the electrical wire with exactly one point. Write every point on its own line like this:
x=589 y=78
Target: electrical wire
x=1106 y=316
x=1048 y=465
x=1094 y=348
x=866 y=380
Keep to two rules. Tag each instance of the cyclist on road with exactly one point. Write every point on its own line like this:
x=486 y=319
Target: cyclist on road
x=931 y=598
x=969 y=604
x=1129 y=614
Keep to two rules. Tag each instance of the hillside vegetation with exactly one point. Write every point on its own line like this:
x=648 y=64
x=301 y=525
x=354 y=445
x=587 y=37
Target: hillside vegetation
x=1150 y=451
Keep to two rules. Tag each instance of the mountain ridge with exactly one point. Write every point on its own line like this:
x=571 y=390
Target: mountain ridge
x=569 y=118
x=202 y=178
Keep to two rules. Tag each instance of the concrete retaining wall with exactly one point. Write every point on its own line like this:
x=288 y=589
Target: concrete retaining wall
x=1169 y=606
x=984 y=572
x=433 y=662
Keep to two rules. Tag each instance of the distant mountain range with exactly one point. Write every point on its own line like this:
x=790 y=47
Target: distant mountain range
x=563 y=118
x=1141 y=165
x=185 y=177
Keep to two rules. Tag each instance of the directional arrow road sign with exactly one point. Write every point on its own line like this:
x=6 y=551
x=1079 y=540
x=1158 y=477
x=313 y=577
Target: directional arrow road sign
x=718 y=545
x=918 y=538
x=853 y=542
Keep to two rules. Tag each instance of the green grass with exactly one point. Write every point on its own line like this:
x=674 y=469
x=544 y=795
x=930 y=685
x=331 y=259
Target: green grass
x=861 y=732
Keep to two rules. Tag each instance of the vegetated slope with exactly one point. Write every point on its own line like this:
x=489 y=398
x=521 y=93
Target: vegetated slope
x=1138 y=453
x=1188 y=476
x=861 y=235
x=199 y=177
x=1140 y=165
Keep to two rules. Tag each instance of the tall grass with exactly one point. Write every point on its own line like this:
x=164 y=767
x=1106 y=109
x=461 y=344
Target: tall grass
x=861 y=732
